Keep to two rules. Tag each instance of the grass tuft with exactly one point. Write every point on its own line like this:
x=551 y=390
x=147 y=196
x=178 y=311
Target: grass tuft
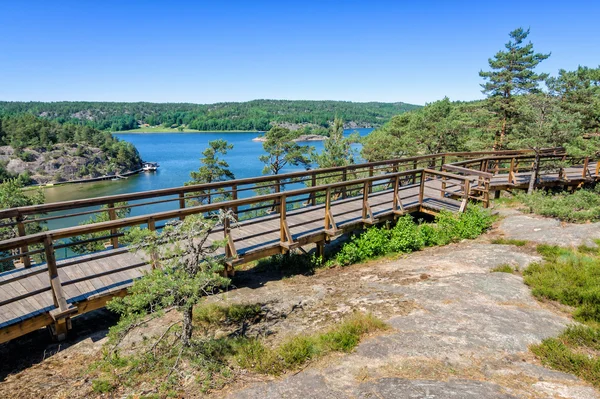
x=505 y=268
x=102 y=386
x=215 y=314
x=509 y=241
x=296 y=351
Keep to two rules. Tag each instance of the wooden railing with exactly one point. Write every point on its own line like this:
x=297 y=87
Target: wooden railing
x=509 y=168
x=392 y=182
x=181 y=197
x=232 y=189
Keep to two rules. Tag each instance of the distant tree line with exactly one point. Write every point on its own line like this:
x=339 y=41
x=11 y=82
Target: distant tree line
x=251 y=115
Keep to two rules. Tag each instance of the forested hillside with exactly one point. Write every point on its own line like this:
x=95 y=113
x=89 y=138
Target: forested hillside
x=40 y=151
x=523 y=109
x=252 y=115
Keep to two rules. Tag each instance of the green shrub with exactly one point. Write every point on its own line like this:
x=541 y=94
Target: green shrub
x=371 y=243
x=407 y=236
x=580 y=206
x=570 y=277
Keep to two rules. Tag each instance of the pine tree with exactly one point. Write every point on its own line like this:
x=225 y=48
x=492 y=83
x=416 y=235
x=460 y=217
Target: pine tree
x=512 y=74
x=213 y=169
x=337 y=150
x=281 y=151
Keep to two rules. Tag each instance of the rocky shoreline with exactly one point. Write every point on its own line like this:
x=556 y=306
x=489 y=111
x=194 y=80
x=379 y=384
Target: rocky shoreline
x=301 y=138
x=64 y=163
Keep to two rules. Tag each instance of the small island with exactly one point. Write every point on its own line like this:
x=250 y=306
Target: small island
x=301 y=138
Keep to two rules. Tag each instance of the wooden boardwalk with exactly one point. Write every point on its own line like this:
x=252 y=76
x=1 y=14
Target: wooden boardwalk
x=49 y=294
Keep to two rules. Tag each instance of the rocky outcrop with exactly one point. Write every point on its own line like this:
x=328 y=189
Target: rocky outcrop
x=60 y=163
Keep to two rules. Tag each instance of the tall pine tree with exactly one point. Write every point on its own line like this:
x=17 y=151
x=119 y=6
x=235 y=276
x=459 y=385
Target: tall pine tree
x=512 y=74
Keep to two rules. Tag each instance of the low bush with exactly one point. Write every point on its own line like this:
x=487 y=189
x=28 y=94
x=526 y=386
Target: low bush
x=571 y=277
x=407 y=236
x=579 y=207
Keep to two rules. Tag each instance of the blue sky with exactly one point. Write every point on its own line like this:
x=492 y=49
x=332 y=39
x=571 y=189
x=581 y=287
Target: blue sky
x=212 y=51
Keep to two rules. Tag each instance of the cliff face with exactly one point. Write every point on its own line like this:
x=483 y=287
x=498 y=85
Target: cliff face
x=63 y=162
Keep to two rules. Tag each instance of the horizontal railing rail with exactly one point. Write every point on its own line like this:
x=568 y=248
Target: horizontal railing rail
x=233 y=185
x=233 y=189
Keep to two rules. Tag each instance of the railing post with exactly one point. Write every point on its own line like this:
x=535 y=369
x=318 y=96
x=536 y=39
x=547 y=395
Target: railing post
x=465 y=201
x=112 y=214
x=365 y=199
x=313 y=178
x=282 y=219
x=277 y=190
x=154 y=259
x=486 y=193
x=234 y=196
x=62 y=323
x=370 y=181
x=397 y=200
x=226 y=231
x=422 y=186
x=25 y=259
x=414 y=175
x=182 y=203
x=344 y=178
x=52 y=269
x=328 y=216
x=586 y=163
x=511 y=172
x=443 y=162
x=443 y=192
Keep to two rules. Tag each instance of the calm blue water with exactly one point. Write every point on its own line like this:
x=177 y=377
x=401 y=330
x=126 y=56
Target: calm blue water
x=177 y=154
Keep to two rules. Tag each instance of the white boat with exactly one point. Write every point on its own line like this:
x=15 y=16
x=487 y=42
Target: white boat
x=150 y=166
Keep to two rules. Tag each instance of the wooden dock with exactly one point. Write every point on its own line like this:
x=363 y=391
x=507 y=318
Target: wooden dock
x=333 y=201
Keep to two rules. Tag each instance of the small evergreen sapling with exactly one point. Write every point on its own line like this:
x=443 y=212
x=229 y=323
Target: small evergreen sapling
x=186 y=268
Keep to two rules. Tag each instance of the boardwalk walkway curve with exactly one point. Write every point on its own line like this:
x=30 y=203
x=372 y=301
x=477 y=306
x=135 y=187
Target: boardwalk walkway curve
x=331 y=202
